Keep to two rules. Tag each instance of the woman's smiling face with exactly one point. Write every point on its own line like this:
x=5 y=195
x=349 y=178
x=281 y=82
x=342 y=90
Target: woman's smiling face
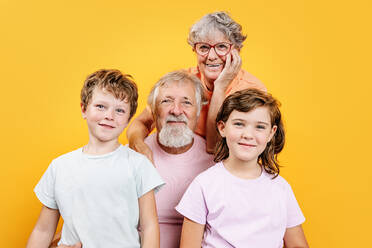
x=211 y=65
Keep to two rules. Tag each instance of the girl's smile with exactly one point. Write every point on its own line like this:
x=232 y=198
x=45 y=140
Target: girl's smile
x=247 y=134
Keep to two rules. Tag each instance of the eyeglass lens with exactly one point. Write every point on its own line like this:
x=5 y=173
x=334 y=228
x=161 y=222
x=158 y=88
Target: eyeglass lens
x=221 y=49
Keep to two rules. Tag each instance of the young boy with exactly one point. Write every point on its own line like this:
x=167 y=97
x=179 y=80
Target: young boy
x=102 y=190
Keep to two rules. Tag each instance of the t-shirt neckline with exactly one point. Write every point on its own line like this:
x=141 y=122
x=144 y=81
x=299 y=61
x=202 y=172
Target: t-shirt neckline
x=241 y=180
x=90 y=156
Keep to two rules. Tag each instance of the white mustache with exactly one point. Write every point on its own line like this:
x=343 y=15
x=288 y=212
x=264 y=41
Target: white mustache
x=177 y=118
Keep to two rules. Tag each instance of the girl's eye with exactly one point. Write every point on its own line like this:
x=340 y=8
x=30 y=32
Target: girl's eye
x=238 y=124
x=261 y=127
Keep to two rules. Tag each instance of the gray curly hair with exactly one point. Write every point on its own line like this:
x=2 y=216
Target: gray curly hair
x=220 y=21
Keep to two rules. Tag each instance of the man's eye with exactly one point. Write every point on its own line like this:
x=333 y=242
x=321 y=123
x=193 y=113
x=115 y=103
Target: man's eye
x=166 y=101
x=187 y=103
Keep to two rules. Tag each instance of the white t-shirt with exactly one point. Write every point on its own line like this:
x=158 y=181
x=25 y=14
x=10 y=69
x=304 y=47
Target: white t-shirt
x=97 y=196
x=178 y=171
x=241 y=212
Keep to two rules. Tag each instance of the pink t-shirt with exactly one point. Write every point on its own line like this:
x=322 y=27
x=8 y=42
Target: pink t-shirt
x=241 y=212
x=177 y=171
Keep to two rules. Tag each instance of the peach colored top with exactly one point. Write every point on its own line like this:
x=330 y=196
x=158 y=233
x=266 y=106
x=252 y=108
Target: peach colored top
x=243 y=80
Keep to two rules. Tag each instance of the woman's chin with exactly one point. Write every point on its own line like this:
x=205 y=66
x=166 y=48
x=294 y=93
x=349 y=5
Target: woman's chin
x=211 y=76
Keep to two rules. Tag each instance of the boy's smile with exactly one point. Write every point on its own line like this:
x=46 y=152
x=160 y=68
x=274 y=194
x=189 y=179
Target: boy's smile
x=106 y=116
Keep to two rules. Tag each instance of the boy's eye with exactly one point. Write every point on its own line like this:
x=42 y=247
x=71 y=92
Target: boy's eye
x=100 y=106
x=121 y=111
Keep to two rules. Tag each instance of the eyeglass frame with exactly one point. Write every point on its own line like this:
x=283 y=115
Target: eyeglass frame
x=213 y=46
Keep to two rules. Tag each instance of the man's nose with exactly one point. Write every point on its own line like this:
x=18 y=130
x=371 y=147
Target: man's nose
x=176 y=109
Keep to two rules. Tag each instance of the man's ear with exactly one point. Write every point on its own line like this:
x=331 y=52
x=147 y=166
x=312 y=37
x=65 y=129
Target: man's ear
x=221 y=128
x=83 y=111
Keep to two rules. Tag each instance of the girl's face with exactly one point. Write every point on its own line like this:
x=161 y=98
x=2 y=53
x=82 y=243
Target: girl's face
x=247 y=133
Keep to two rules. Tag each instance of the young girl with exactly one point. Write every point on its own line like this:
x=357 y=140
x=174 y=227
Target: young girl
x=242 y=201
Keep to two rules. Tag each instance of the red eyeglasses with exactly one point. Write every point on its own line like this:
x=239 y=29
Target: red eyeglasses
x=221 y=48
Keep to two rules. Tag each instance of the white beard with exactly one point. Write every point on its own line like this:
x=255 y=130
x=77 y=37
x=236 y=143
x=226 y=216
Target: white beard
x=175 y=136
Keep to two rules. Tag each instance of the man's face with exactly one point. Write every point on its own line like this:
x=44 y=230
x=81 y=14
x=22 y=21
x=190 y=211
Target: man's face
x=176 y=114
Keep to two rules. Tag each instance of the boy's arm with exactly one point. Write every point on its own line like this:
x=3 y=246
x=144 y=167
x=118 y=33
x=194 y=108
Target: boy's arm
x=44 y=229
x=138 y=130
x=294 y=237
x=192 y=234
x=150 y=236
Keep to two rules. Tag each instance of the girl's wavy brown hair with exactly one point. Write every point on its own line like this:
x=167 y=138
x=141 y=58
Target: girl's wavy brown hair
x=245 y=101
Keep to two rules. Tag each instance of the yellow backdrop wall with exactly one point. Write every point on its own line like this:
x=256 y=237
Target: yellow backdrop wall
x=312 y=55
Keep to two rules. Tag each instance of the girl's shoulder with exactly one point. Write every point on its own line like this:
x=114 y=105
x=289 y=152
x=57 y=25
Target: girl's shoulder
x=211 y=174
x=278 y=181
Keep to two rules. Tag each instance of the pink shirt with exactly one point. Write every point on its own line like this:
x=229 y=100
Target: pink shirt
x=178 y=171
x=241 y=212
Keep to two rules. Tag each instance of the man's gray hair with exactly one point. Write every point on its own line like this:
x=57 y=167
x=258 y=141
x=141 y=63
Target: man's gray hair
x=220 y=21
x=179 y=76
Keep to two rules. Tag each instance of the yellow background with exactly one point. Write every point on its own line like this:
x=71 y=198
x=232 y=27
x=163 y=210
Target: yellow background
x=314 y=56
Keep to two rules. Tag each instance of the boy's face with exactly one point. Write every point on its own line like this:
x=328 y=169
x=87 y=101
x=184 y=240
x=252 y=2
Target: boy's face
x=106 y=116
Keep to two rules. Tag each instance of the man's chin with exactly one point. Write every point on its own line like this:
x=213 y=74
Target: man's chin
x=175 y=137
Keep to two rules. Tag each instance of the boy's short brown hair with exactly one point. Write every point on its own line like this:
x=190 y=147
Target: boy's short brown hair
x=113 y=81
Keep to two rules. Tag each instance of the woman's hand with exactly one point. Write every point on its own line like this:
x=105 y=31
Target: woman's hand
x=232 y=67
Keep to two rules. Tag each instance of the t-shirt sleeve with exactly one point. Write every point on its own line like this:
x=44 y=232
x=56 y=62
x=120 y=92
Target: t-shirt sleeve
x=192 y=204
x=147 y=178
x=44 y=190
x=294 y=213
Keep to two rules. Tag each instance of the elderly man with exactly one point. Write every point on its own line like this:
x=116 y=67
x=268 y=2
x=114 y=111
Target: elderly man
x=178 y=154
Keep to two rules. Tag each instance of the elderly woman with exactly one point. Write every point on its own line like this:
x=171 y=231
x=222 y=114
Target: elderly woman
x=216 y=40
